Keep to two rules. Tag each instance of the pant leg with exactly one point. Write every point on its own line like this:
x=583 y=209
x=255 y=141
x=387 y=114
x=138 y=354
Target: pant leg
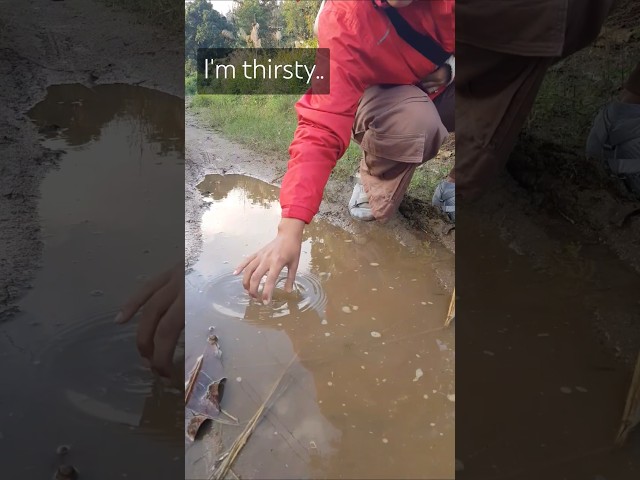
x=495 y=94
x=446 y=106
x=398 y=128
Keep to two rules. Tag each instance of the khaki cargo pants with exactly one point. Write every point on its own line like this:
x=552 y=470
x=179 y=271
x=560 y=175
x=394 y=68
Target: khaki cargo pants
x=398 y=128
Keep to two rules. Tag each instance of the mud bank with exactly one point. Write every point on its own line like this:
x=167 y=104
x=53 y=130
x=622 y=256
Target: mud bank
x=46 y=43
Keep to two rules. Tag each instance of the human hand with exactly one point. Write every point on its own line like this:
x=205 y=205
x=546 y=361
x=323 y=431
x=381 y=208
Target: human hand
x=437 y=79
x=162 y=319
x=283 y=251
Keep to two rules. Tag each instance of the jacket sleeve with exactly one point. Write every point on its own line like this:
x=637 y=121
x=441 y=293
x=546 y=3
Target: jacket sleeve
x=325 y=121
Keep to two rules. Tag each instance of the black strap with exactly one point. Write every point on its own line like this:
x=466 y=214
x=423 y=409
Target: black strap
x=423 y=43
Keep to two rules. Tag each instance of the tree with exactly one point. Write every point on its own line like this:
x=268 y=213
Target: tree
x=204 y=27
x=263 y=12
x=299 y=18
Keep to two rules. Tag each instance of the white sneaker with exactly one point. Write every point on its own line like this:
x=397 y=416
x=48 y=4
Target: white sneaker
x=359 y=204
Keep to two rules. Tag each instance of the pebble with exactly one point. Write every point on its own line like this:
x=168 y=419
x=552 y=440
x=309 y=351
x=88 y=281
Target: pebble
x=330 y=384
x=425 y=396
x=488 y=352
x=239 y=379
x=374 y=264
x=581 y=389
x=211 y=329
x=346 y=309
x=419 y=374
x=355 y=308
x=324 y=322
x=565 y=389
x=451 y=397
x=327 y=334
x=384 y=440
x=376 y=334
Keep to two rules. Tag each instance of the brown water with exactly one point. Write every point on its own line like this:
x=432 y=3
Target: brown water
x=541 y=395
x=111 y=215
x=367 y=316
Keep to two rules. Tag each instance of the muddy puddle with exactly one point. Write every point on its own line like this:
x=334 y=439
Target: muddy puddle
x=534 y=356
x=371 y=390
x=111 y=214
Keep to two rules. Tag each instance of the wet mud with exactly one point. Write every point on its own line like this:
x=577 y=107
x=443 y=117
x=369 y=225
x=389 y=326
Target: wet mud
x=49 y=43
x=548 y=348
x=367 y=389
x=76 y=377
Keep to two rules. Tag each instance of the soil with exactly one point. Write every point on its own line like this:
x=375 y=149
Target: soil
x=46 y=43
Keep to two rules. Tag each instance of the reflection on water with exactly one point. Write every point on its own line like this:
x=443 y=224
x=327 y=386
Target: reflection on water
x=371 y=394
x=79 y=377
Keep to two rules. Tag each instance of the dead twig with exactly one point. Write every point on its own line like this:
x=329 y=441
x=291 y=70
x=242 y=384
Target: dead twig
x=631 y=416
x=223 y=468
x=451 y=314
x=192 y=379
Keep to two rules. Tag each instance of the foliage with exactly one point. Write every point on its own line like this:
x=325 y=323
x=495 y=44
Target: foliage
x=298 y=18
x=265 y=13
x=205 y=27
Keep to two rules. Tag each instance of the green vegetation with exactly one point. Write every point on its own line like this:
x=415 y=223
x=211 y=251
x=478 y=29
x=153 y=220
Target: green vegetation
x=204 y=27
x=266 y=124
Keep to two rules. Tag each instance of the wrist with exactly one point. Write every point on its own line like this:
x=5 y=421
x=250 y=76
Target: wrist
x=291 y=226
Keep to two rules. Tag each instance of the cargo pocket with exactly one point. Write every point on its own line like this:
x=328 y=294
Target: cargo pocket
x=406 y=148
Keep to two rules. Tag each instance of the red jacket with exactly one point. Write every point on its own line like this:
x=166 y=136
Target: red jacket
x=365 y=50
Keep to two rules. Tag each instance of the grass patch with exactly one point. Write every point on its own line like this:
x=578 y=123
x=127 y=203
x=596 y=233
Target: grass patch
x=266 y=124
x=577 y=87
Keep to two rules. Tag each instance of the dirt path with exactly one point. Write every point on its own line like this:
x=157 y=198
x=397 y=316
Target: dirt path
x=46 y=43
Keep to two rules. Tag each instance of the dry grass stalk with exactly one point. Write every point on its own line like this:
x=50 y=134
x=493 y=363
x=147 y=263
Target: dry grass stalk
x=451 y=314
x=192 y=379
x=224 y=467
x=631 y=416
